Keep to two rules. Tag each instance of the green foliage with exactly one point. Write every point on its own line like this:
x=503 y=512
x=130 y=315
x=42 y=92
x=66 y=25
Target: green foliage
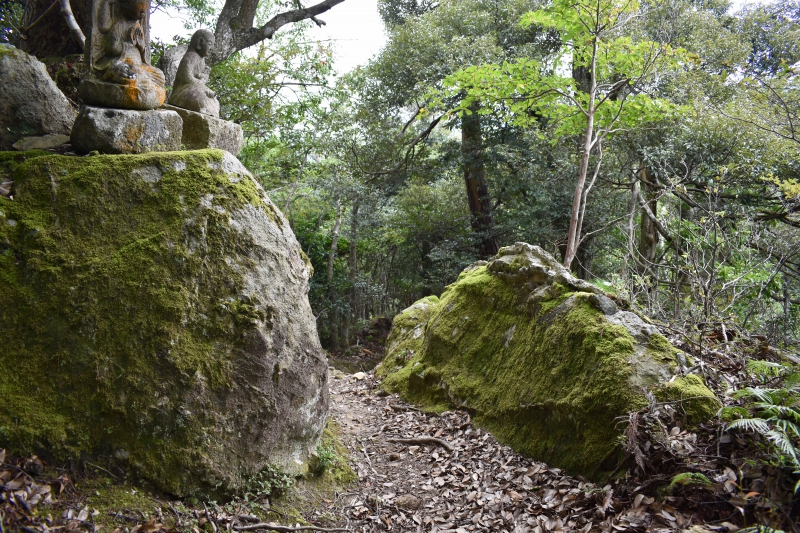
x=11 y=21
x=325 y=458
x=774 y=416
x=271 y=481
x=624 y=70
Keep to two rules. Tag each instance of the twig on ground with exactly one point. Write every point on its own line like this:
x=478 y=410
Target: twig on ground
x=101 y=468
x=403 y=408
x=275 y=527
x=425 y=440
x=118 y=516
x=177 y=515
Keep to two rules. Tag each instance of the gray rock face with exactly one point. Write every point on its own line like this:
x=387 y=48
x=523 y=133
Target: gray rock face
x=30 y=102
x=204 y=131
x=179 y=341
x=126 y=131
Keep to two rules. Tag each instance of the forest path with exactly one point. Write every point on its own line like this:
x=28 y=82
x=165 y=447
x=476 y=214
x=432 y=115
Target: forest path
x=479 y=486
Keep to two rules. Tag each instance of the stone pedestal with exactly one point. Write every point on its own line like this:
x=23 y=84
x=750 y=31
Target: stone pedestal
x=126 y=131
x=204 y=131
x=145 y=93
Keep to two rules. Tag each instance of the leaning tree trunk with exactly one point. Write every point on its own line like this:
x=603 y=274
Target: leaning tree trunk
x=477 y=190
x=45 y=30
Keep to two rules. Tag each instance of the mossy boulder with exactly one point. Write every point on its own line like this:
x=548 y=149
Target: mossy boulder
x=154 y=312
x=545 y=361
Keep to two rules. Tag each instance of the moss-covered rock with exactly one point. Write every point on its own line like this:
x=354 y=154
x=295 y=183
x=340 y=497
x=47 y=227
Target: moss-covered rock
x=545 y=361
x=154 y=309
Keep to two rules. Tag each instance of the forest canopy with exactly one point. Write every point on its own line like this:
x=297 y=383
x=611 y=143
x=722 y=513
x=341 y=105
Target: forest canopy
x=651 y=146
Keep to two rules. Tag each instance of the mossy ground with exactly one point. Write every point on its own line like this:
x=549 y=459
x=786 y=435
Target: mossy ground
x=549 y=377
x=120 y=501
x=90 y=258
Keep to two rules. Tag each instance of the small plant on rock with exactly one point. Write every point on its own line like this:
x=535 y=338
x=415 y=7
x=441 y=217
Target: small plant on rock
x=325 y=458
x=270 y=481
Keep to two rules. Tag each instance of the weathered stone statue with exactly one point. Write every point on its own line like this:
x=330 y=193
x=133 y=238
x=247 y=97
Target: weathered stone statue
x=198 y=105
x=121 y=90
x=118 y=56
x=190 y=91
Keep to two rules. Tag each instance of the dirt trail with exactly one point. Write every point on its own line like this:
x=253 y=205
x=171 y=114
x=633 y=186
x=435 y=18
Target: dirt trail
x=478 y=486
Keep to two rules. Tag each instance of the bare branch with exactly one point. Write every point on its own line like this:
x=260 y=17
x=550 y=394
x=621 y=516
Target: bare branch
x=235 y=30
x=72 y=24
x=41 y=17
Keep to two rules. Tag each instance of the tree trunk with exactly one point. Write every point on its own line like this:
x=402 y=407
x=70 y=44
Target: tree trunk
x=49 y=35
x=236 y=27
x=333 y=326
x=352 y=273
x=649 y=236
x=475 y=178
x=586 y=80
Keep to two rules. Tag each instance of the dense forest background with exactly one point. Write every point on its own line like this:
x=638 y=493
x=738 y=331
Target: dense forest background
x=469 y=132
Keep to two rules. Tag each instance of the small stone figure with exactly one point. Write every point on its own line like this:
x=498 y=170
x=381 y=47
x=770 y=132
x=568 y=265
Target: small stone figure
x=190 y=91
x=117 y=52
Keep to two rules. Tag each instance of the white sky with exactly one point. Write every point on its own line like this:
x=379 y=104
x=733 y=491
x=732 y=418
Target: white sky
x=354 y=26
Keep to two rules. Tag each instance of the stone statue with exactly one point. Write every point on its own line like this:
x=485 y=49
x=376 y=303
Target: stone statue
x=190 y=91
x=118 y=57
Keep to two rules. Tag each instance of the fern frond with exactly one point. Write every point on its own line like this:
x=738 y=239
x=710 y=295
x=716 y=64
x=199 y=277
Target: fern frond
x=765 y=395
x=757 y=425
x=779 y=439
x=766 y=369
x=781 y=411
x=788 y=427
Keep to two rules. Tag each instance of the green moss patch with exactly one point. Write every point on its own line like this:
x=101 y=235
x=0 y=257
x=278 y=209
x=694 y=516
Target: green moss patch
x=691 y=397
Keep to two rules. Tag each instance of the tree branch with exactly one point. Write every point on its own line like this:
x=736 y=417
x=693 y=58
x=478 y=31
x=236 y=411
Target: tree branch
x=72 y=24
x=652 y=217
x=235 y=30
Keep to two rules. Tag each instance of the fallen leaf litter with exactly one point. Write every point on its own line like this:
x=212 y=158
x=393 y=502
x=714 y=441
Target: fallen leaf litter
x=410 y=481
x=417 y=472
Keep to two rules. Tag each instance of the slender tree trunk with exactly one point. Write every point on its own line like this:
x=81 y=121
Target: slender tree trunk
x=586 y=79
x=648 y=231
x=475 y=179
x=573 y=237
x=332 y=296
x=287 y=206
x=352 y=272
x=630 y=257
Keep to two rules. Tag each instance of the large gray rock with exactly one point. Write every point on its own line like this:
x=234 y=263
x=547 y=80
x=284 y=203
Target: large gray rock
x=30 y=102
x=170 y=331
x=204 y=131
x=126 y=131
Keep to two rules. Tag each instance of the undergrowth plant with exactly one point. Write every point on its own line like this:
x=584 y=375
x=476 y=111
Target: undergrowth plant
x=773 y=413
x=270 y=481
